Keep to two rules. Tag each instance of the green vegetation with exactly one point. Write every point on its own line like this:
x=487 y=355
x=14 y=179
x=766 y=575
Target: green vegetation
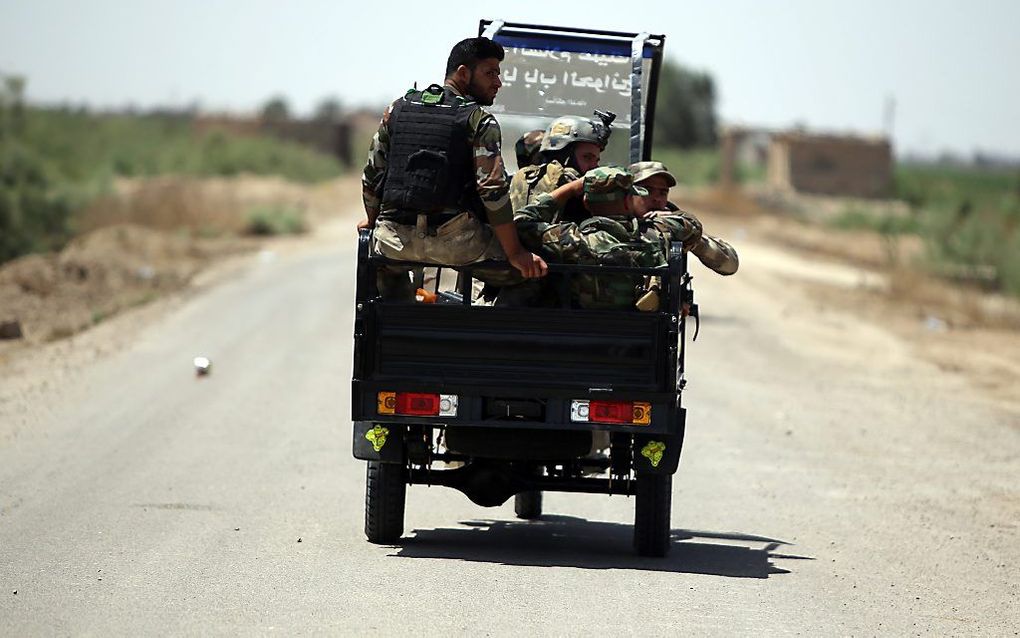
x=685 y=112
x=86 y=148
x=35 y=206
x=969 y=219
x=701 y=166
x=854 y=217
x=54 y=161
x=925 y=186
x=276 y=220
x=695 y=167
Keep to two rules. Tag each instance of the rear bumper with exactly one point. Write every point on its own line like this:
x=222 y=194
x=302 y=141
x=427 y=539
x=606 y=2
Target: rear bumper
x=388 y=442
x=475 y=409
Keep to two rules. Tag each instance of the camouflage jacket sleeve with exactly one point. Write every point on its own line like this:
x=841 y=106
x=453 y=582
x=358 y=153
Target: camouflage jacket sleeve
x=561 y=242
x=375 y=168
x=519 y=189
x=490 y=173
x=713 y=252
x=717 y=254
x=543 y=209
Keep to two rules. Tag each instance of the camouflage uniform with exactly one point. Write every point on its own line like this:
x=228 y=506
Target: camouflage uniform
x=493 y=189
x=619 y=240
x=712 y=251
x=531 y=181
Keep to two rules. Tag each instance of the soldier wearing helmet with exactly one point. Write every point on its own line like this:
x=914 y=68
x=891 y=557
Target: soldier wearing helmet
x=630 y=223
x=570 y=148
x=577 y=142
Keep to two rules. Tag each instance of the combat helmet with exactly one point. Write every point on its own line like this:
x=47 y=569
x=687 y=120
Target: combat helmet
x=568 y=129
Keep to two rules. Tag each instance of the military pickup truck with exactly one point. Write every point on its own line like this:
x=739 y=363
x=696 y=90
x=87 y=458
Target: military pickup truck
x=502 y=402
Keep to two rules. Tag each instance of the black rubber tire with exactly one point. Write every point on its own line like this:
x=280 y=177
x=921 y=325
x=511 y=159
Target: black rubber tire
x=528 y=505
x=385 y=493
x=652 y=505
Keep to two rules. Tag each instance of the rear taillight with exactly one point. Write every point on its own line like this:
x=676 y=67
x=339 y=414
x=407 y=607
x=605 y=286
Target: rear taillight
x=620 y=412
x=416 y=404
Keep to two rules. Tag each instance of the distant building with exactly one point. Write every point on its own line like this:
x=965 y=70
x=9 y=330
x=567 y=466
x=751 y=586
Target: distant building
x=845 y=166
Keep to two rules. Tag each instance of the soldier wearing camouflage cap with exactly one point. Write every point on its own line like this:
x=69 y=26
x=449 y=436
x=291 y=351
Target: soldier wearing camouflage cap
x=570 y=147
x=609 y=184
x=612 y=234
x=643 y=170
x=656 y=179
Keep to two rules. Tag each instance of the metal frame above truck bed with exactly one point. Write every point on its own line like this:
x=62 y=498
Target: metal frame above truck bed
x=636 y=46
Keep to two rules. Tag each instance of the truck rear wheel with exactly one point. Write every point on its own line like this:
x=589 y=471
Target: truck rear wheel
x=652 y=505
x=385 y=493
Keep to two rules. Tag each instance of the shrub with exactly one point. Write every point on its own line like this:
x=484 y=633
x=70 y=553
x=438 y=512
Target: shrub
x=884 y=222
x=34 y=213
x=970 y=220
x=276 y=220
x=54 y=161
x=697 y=167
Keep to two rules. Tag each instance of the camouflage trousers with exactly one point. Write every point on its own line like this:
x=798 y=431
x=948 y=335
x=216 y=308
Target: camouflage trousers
x=461 y=241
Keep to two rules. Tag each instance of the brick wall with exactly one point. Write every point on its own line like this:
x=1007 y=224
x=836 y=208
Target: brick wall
x=831 y=165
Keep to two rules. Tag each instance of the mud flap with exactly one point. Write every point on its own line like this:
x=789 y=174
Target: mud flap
x=378 y=442
x=659 y=453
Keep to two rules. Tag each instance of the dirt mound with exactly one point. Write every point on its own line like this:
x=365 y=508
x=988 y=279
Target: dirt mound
x=958 y=328
x=97 y=274
x=214 y=206
x=147 y=237
x=898 y=257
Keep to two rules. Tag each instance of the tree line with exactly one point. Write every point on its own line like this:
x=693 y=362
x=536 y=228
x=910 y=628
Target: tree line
x=685 y=115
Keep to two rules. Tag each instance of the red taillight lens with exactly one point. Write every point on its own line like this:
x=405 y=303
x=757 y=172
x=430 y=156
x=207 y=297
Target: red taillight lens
x=611 y=411
x=417 y=404
x=625 y=412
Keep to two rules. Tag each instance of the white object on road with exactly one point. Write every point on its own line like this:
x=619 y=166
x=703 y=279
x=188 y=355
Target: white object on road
x=202 y=366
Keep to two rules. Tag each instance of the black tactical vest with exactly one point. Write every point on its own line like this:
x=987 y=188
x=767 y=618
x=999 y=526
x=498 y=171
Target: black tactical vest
x=431 y=160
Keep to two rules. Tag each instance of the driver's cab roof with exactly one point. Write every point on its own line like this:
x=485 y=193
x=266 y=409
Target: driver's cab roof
x=552 y=71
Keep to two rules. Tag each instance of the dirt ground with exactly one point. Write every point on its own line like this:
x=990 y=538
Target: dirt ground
x=833 y=481
x=959 y=329
x=148 y=238
x=138 y=252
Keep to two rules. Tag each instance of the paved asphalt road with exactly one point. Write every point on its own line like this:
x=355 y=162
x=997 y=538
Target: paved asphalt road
x=830 y=485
